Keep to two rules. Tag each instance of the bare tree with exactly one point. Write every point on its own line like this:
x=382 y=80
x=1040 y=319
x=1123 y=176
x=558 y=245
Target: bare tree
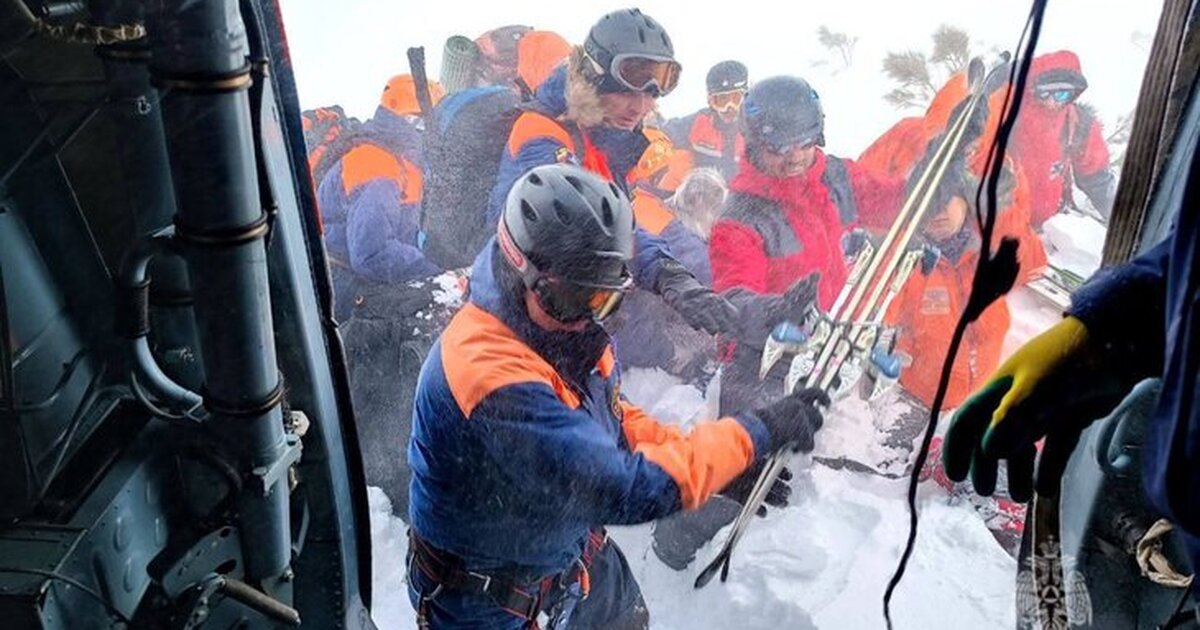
x=951 y=48
x=839 y=43
x=911 y=70
x=918 y=75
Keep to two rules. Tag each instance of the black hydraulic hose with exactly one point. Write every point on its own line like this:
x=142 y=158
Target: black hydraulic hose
x=994 y=275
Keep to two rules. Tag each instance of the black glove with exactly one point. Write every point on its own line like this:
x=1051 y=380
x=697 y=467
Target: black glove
x=700 y=307
x=799 y=298
x=777 y=497
x=759 y=314
x=795 y=419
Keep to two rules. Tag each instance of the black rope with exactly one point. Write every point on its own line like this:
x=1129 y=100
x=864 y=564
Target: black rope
x=994 y=275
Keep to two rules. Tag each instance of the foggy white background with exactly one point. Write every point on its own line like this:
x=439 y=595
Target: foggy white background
x=344 y=51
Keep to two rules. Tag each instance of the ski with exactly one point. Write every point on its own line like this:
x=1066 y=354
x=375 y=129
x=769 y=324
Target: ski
x=852 y=324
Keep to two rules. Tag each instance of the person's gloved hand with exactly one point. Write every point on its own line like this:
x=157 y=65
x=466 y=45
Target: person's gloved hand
x=1053 y=387
x=700 y=307
x=777 y=497
x=799 y=298
x=761 y=314
x=794 y=419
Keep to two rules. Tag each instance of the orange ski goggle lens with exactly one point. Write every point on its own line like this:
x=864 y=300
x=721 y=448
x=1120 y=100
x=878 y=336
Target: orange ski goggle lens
x=643 y=74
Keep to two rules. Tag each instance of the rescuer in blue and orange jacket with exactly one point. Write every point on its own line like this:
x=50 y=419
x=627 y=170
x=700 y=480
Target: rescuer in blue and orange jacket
x=371 y=198
x=713 y=134
x=523 y=448
x=590 y=112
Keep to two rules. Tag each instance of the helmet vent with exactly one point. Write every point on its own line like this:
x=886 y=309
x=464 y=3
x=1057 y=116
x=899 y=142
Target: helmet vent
x=561 y=210
x=534 y=179
x=528 y=212
x=575 y=183
x=642 y=35
x=606 y=213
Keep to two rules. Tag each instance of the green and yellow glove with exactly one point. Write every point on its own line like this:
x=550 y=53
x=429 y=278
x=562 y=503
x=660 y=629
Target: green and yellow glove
x=1054 y=386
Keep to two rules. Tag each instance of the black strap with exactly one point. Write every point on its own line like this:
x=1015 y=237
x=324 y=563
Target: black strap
x=523 y=599
x=448 y=572
x=837 y=181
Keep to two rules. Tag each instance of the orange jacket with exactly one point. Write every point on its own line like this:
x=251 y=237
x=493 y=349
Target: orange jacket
x=925 y=313
x=895 y=152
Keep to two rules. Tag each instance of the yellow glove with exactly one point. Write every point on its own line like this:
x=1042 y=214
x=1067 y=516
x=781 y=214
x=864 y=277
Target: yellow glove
x=1053 y=387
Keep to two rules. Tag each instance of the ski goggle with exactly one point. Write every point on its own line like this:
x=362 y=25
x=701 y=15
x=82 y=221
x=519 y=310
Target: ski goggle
x=646 y=74
x=1058 y=96
x=783 y=149
x=725 y=101
x=570 y=302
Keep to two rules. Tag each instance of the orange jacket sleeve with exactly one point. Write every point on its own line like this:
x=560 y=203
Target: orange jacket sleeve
x=701 y=461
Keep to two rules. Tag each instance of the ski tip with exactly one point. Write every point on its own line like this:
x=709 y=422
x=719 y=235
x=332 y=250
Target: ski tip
x=975 y=70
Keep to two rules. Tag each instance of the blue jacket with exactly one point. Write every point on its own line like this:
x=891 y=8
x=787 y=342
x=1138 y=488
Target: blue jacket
x=522 y=443
x=1148 y=310
x=370 y=204
x=538 y=138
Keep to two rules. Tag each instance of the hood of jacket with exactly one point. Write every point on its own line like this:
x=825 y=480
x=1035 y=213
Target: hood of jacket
x=569 y=97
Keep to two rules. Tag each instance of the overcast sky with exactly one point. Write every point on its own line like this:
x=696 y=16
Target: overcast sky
x=344 y=51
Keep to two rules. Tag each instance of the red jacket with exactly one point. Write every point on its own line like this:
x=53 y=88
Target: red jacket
x=1056 y=148
x=776 y=231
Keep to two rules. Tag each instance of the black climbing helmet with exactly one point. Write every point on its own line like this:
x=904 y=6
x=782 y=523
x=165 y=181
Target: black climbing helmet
x=569 y=234
x=782 y=112
x=629 y=51
x=727 y=76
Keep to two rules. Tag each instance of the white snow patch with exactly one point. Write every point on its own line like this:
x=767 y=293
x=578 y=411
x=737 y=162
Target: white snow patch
x=855 y=428
x=449 y=290
x=824 y=562
x=664 y=396
x=1074 y=242
x=389 y=544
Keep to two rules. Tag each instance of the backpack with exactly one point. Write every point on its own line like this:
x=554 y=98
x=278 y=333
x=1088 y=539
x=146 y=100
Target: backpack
x=463 y=149
x=324 y=136
x=354 y=135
